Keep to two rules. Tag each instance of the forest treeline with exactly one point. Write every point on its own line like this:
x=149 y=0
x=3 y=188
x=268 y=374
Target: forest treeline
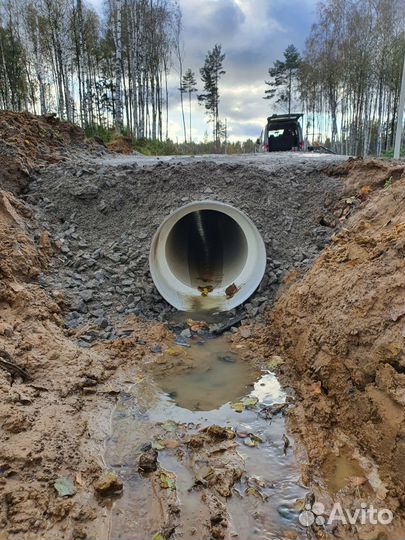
x=103 y=70
x=61 y=56
x=116 y=69
x=347 y=80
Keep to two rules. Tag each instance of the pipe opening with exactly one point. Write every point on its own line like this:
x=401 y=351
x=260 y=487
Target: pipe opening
x=206 y=248
x=207 y=255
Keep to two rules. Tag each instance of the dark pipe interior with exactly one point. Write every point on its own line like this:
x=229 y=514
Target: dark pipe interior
x=206 y=248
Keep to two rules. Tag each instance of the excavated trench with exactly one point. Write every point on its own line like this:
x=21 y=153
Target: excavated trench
x=199 y=431
x=206 y=257
x=213 y=420
x=222 y=460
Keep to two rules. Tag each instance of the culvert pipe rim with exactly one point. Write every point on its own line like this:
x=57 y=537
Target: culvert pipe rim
x=207 y=255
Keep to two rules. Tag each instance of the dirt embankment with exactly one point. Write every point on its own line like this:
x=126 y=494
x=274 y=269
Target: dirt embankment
x=28 y=142
x=55 y=397
x=338 y=331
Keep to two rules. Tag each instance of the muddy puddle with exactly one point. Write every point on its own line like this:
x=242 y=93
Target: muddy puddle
x=226 y=467
x=213 y=376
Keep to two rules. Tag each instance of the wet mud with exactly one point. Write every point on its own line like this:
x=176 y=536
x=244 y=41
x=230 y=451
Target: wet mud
x=224 y=465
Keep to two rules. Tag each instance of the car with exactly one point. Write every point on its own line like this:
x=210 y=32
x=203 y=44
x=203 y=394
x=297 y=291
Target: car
x=283 y=132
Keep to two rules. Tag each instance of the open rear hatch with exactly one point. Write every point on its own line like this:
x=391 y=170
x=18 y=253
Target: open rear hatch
x=290 y=137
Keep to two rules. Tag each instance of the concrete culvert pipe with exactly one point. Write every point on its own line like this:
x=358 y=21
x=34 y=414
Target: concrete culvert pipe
x=207 y=255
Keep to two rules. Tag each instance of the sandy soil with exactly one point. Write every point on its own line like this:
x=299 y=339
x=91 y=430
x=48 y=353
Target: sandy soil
x=56 y=398
x=28 y=143
x=338 y=332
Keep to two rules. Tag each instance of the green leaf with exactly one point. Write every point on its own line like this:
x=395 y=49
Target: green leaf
x=158 y=444
x=256 y=493
x=158 y=536
x=250 y=402
x=388 y=183
x=274 y=362
x=64 y=486
x=249 y=442
x=238 y=407
x=252 y=440
x=167 y=480
x=169 y=425
x=203 y=473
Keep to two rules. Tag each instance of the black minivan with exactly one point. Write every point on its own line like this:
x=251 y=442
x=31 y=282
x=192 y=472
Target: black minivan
x=282 y=132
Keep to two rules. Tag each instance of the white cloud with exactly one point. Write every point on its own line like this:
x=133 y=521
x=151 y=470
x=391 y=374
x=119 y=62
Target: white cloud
x=253 y=33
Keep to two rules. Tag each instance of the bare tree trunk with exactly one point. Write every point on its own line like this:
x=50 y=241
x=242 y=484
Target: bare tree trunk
x=167 y=102
x=39 y=68
x=118 y=66
x=181 y=93
x=189 y=110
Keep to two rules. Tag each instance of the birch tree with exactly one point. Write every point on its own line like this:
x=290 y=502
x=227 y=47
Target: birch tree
x=349 y=78
x=117 y=33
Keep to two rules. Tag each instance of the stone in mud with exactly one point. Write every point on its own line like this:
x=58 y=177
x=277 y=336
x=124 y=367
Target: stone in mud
x=186 y=333
x=225 y=480
x=89 y=381
x=182 y=341
x=226 y=358
x=64 y=486
x=148 y=461
x=196 y=441
x=290 y=534
x=103 y=323
x=89 y=337
x=15 y=421
x=219 y=433
x=108 y=484
x=218 y=515
x=79 y=533
x=85 y=192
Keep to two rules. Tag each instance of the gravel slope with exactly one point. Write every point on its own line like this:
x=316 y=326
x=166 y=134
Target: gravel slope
x=103 y=214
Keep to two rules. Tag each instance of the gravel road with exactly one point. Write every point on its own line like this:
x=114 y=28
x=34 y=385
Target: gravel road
x=268 y=161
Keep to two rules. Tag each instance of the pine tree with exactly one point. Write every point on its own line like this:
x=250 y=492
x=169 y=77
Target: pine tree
x=188 y=86
x=210 y=75
x=284 y=75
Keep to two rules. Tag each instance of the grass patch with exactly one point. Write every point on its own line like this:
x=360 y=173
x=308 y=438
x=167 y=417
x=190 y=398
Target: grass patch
x=149 y=147
x=156 y=148
x=99 y=132
x=390 y=153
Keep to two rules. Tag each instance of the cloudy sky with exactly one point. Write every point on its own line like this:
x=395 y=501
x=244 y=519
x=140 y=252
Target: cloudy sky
x=253 y=33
